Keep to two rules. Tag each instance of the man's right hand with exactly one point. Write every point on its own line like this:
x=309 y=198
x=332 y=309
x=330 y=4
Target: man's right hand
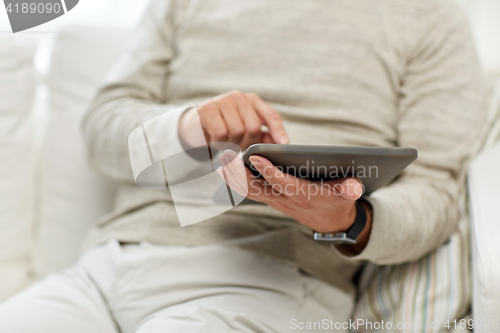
x=233 y=117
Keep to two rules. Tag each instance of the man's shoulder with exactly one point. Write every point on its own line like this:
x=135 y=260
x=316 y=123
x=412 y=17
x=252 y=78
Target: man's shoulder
x=432 y=8
x=429 y=18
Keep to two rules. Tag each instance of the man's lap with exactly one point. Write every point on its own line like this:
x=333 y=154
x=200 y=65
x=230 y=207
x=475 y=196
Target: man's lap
x=147 y=288
x=65 y=302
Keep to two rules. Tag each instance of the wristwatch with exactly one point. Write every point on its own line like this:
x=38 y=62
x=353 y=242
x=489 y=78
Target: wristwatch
x=351 y=235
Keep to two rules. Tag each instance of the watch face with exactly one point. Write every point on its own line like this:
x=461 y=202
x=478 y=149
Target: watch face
x=337 y=238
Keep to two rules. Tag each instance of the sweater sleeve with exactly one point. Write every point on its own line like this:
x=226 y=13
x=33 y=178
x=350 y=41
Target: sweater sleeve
x=133 y=93
x=441 y=114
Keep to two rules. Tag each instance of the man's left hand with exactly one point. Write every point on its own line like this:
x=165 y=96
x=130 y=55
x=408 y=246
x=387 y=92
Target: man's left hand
x=324 y=206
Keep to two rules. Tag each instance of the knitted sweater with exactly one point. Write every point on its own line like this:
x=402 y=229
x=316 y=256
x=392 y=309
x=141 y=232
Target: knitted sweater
x=343 y=72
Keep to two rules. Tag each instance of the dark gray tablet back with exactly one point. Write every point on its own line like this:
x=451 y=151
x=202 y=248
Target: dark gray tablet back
x=374 y=166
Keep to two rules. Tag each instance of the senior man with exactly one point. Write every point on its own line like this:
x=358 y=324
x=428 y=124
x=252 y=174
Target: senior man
x=366 y=73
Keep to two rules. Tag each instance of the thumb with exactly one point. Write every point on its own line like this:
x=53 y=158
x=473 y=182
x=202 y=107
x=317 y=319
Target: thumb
x=347 y=188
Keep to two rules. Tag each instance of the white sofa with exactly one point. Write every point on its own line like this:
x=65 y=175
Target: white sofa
x=17 y=198
x=484 y=205
x=49 y=197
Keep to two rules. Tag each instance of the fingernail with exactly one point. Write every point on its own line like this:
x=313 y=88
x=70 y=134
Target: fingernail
x=227 y=156
x=284 y=140
x=255 y=161
x=222 y=158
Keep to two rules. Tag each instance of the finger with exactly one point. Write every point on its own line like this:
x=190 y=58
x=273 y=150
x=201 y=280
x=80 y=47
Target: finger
x=258 y=189
x=251 y=121
x=232 y=180
x=283 y=183
x=350 y=189
x=271 y=118
x=234 y=124
x=228 y=179
x=266 y=138
x=234 y=167
x=213 y=123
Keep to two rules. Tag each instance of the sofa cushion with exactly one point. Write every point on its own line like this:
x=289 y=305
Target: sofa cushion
x=72 y=195
x=484 y=194
x=17 y=85
x=483 y=16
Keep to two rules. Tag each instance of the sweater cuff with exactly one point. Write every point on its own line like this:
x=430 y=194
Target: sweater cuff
x=379 y=249
x=163 y=137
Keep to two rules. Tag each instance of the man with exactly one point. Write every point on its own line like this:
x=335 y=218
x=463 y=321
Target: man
x=367 y=73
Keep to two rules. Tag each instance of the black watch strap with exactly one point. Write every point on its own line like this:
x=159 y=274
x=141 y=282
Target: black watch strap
x=351 y=235
x=359 y=223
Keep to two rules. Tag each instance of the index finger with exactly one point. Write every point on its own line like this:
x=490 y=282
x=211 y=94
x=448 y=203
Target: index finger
x=281 y=182
x=271 y=118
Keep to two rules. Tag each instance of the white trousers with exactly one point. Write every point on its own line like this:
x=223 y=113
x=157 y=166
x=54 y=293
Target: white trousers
x=154 y=289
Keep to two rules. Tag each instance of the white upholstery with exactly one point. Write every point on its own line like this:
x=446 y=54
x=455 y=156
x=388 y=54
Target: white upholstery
x=484 y=17
x=17 y=84
x=484 y=198
x=484 y=187
x=72 y=195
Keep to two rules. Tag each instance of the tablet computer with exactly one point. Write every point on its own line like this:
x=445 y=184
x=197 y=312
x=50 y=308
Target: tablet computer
x=374 y=166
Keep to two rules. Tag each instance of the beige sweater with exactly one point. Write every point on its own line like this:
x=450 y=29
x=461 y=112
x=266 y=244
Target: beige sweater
x=346 y=72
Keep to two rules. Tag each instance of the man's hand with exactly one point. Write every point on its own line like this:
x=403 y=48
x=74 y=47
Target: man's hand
x=233 y=117
x=326 y=207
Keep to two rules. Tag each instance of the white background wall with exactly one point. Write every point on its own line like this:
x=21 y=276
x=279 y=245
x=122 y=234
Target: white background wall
x=484 y=16
x=123 y=13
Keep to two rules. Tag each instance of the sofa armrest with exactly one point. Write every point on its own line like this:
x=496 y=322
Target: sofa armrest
x=484 y=194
